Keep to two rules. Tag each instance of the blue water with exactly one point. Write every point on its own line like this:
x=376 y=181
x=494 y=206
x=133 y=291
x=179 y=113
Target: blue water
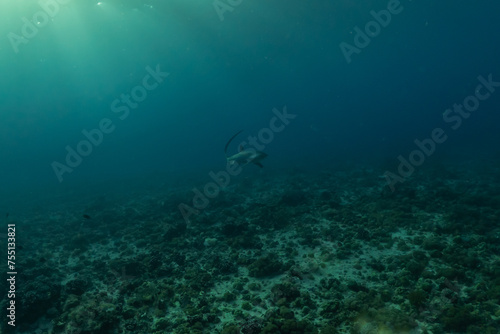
x=229 y=75
x=224 y=66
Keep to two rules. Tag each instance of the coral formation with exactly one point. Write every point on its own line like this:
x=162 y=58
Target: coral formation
x=310 y=253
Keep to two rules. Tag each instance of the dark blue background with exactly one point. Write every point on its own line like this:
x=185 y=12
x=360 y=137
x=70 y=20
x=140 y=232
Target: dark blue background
x=229 y=75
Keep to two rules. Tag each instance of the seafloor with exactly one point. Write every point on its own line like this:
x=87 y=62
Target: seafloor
x=289 y=251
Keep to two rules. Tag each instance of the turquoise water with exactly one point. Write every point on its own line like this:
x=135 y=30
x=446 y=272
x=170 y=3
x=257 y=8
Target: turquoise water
x=361 y=196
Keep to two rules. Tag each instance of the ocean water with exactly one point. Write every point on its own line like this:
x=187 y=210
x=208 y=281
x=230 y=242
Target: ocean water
x=362 y=194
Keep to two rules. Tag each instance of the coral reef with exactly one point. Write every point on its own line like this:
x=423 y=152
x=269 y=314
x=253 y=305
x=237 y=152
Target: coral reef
x=308 y=252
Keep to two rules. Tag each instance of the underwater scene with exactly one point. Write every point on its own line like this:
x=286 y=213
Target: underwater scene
x=250 y=166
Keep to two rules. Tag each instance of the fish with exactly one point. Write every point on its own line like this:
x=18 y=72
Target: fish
x=86 y=216
x=245 y=155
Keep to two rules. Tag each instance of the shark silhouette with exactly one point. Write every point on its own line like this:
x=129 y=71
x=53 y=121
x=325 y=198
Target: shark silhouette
x=245 y=155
